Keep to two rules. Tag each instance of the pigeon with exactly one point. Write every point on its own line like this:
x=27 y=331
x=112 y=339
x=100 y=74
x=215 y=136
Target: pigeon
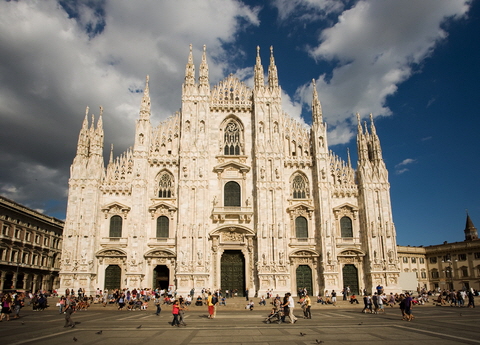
x=23 y=323
x=139 y=327
x=302 y=334
x=99 y=332
x=75 y=339
x=319 y=341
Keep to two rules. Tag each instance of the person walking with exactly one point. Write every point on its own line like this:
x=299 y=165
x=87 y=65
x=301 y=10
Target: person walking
x=211 y=306
x=307 y=305
x=175 y=313
x=158 y=301
x=291 y=306
x=69 y=310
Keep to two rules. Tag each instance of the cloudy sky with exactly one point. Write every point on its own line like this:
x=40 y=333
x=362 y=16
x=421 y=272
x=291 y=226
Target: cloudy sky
x=413 y=64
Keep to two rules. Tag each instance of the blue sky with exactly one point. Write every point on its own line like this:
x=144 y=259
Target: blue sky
x=412 y=64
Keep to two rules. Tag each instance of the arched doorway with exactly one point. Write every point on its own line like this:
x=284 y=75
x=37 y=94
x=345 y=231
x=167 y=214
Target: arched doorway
x=113 y=277
x=350 y=278
x=233 y=271
x=161 y=277
x=304 y=278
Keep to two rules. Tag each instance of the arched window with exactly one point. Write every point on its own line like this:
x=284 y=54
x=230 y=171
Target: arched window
x=232 y=194
x=301 y=227
x=231 y=139
x=346 y=227
x=299 y=187
x=163 y=226
x=116 y=226
x=165 y=185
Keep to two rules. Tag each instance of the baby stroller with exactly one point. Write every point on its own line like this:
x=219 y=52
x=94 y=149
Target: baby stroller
x=274 y=316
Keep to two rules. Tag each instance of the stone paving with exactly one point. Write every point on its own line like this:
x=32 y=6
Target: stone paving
x=344 y=324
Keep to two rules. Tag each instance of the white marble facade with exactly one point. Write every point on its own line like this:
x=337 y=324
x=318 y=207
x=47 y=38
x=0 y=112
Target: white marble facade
x=229 y=174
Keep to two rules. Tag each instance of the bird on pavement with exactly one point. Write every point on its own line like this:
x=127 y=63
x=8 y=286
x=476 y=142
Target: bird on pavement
x=302 y=334
x=319 y=341
x=75 y=339
x=139 y=327
x=99 y=332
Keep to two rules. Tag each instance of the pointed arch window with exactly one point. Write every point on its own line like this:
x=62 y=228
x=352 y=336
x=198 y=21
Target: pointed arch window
x=116 y=223
x=346 y=227
x=163 y=224
x=301 y=227
x=299 y=187
x=232 y=194
x=231 y=139
x=165 y=185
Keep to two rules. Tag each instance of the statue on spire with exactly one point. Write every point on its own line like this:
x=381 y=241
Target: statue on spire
x=272 y=72
x=258 y=71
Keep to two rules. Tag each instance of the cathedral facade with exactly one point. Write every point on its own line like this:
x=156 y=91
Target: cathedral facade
x=229 y=193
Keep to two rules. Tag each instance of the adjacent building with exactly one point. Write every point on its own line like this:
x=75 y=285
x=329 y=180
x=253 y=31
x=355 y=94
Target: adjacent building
x=444 y=266
x=30 y=248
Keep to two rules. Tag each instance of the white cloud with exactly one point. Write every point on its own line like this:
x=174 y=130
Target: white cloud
x=400 y=167
x=375 y=44
x=52 y=66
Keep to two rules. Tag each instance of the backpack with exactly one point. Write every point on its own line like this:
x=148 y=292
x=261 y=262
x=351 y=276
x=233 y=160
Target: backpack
x=214 y=300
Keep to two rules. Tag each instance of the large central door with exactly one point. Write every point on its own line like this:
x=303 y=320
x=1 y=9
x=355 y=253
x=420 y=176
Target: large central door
x=233 y=271
x=350 y=278
x=161 y=277
x=113 y=277
x=304 y=278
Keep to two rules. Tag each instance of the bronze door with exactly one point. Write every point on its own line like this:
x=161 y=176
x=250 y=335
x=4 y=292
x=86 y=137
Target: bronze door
x=233 y=271
x=113 y=277
x=304 y=278
x=350 y=278
x=161 y=277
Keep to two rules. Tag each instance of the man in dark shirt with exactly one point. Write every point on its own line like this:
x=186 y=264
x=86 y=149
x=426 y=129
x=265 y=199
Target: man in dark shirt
x=408 y=307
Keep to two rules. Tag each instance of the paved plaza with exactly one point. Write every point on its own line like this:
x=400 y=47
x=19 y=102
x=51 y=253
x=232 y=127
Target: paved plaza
x=344 y=324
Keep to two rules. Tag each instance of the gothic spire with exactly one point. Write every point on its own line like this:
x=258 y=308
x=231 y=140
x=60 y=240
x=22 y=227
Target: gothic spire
x=316 y=106
x=83 y=137
x=145 y=106
x=203 y=73
x=470 y=230
x=110 y=161
x=190 y=70
x=272 y=72
x=258 y=72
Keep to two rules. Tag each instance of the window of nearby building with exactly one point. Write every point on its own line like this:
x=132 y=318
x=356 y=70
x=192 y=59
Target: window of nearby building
x=346 y=227
x=464 y=271
x=299 y=187
x=301 y=227
x=27 y=236
x=116 y=226
x=422 y=260
x=448 y=272
x=5 y=230
x=476 y=255
x=163 y=227
x=18 y=233
x=424 y=274
x=232 y=195
x=462 y=257
x=435 y=274
x=37 y=239
x=405 y=260
x=232 y=139
x=45 y=241
x=447 y=258
x=414 y=260
x=165 y=185
x=433 y=260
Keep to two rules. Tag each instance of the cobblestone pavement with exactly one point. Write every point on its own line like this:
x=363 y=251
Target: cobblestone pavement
x=344 y=324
